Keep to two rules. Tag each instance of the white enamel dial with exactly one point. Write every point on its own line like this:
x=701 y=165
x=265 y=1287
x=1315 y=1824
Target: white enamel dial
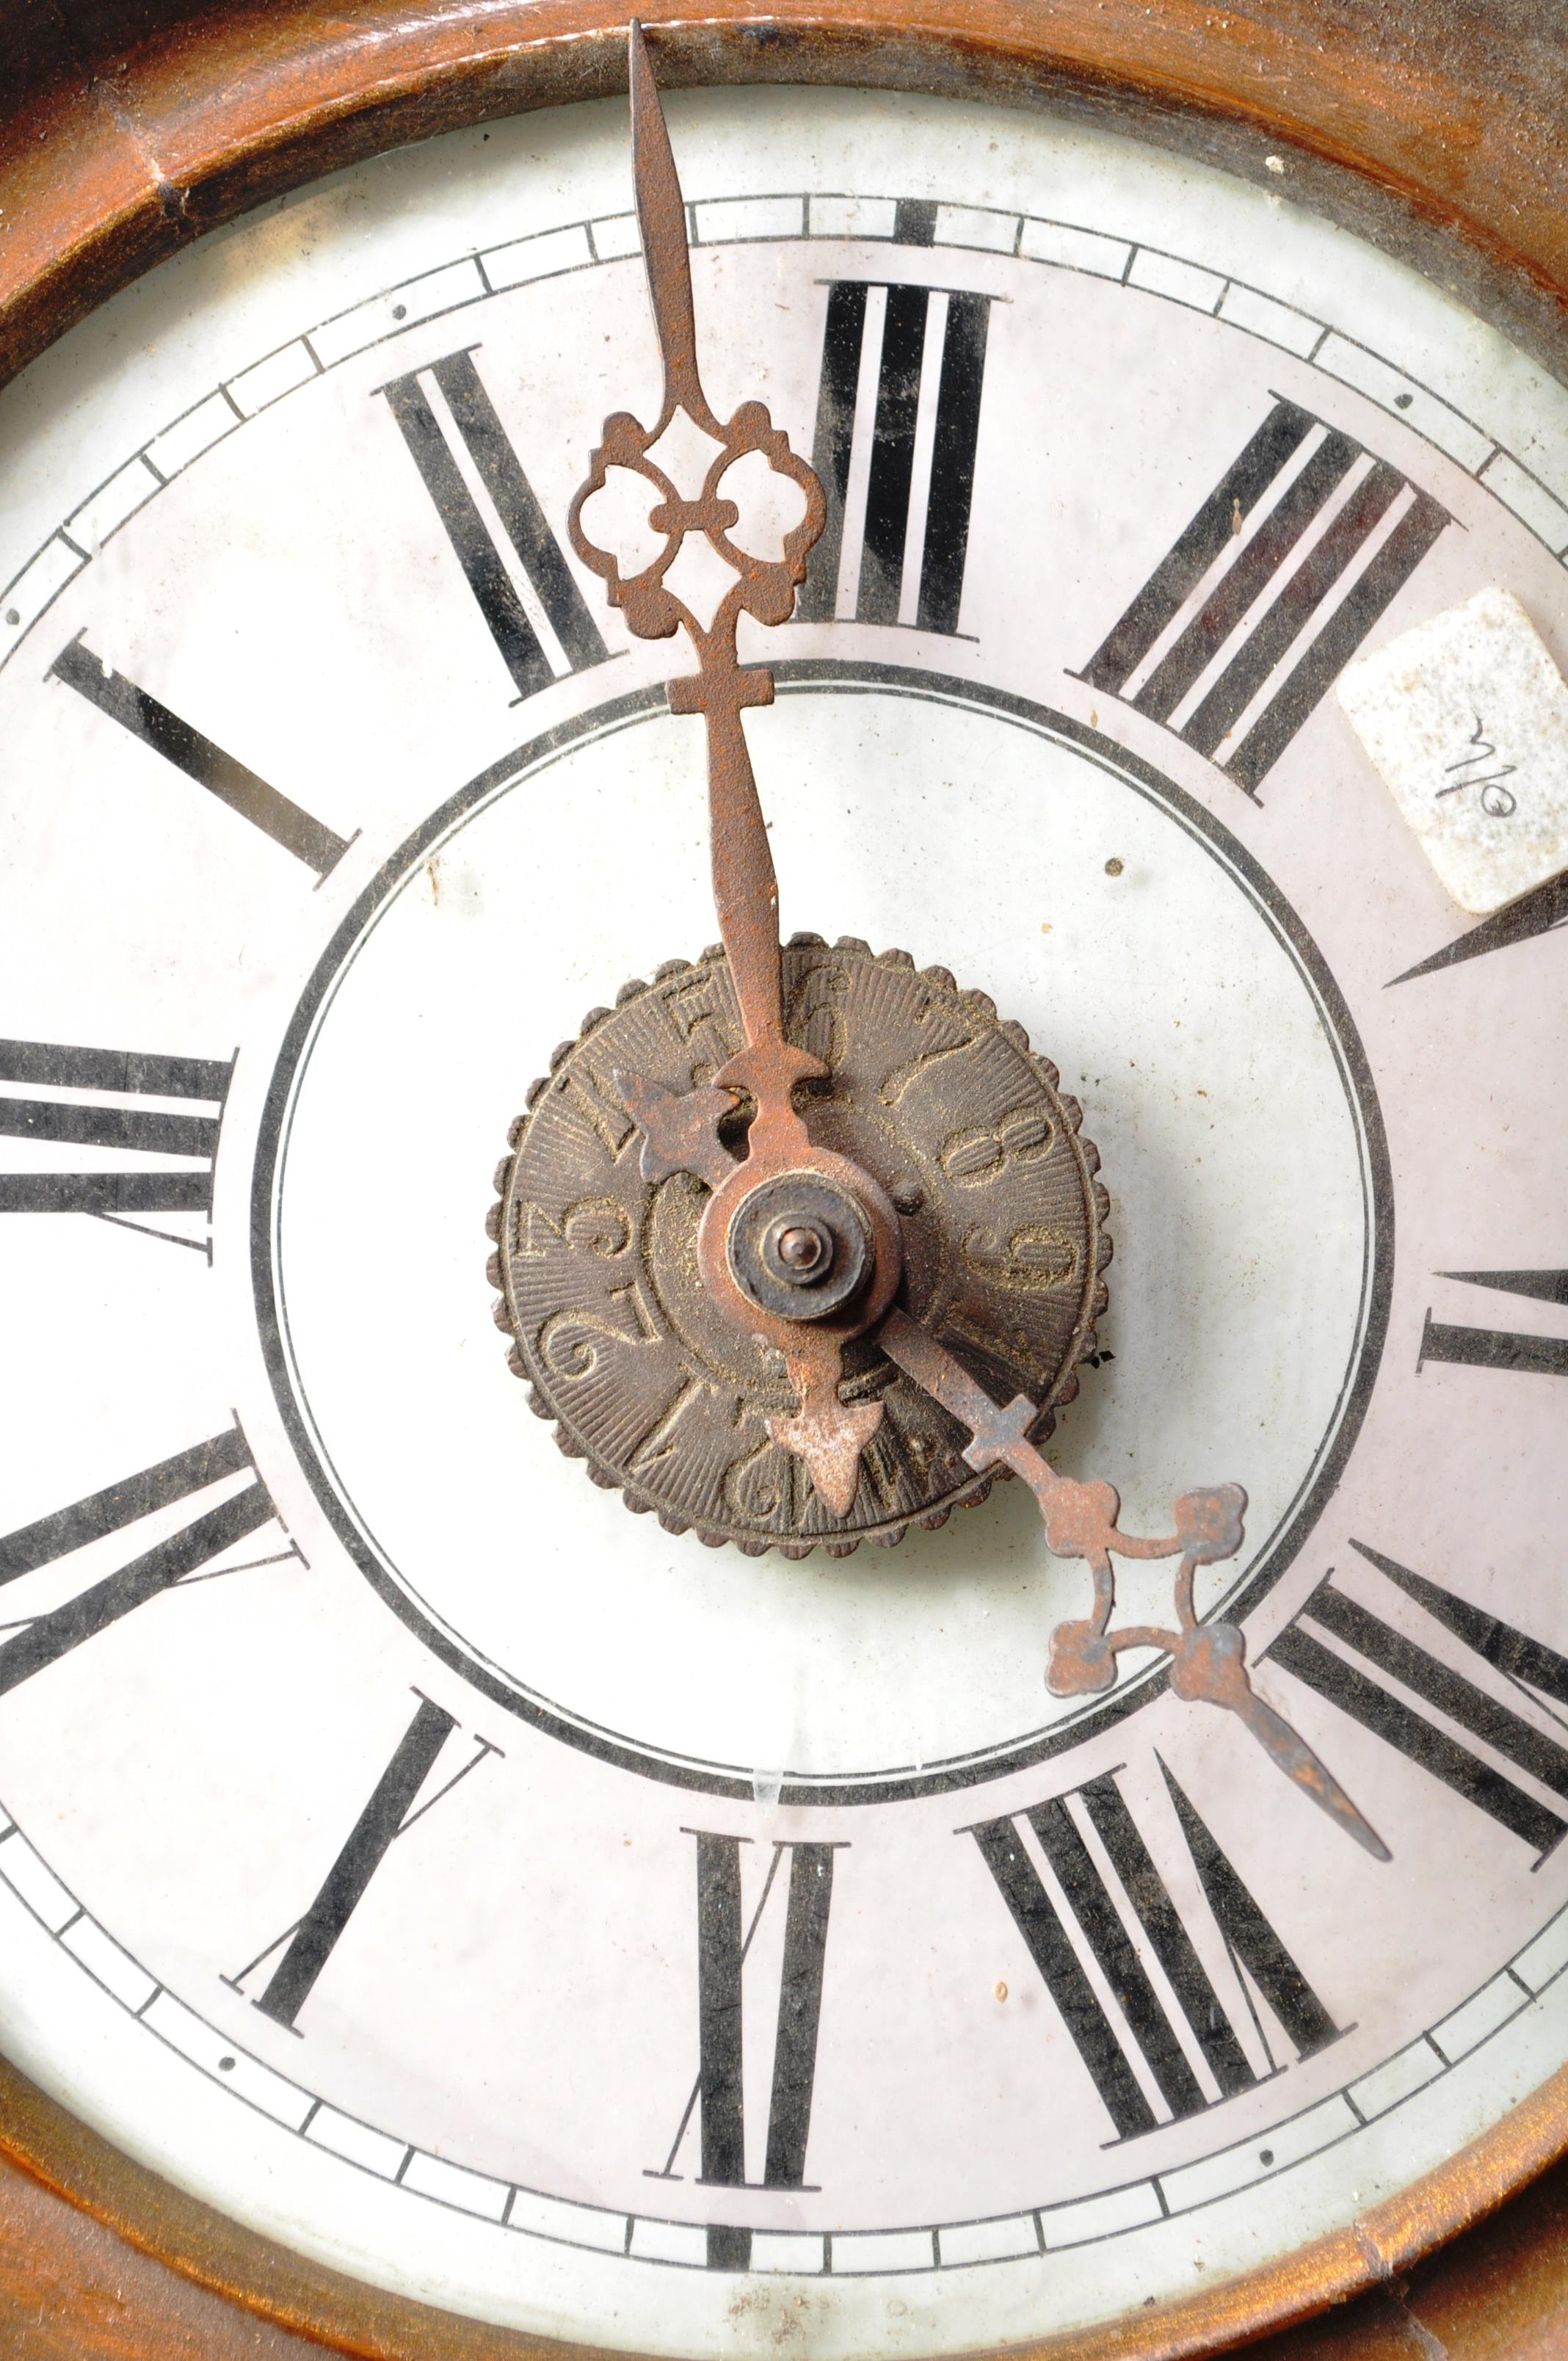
x=499 y=1896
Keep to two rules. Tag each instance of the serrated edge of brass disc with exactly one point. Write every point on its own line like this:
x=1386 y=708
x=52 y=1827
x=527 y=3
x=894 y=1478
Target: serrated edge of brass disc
x=1081 y=1345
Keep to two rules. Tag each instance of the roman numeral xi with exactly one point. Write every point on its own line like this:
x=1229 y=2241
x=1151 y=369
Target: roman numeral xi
x=1187 y=2048
x=1251 y=627
x=529 y=600
x=106 y=1102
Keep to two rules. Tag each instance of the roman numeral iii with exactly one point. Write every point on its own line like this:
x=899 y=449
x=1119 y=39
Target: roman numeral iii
x=465 y=423
x=724 y=1939
x=1501 y=1349
x=1238 y=630
x=1349 y=1653
x=128 y=1122
x=1091 y=1938
x=911 y=526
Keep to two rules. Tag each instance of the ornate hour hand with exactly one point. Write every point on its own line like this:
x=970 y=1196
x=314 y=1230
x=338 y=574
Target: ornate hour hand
x=1207 y=1661
x=788 y=1222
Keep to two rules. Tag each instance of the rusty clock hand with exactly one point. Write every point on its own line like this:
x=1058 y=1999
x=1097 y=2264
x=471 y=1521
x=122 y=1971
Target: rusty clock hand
x=1207 y=1661
x=796 y=1244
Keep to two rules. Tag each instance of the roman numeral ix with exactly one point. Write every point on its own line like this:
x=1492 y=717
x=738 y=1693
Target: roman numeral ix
x=128 y=1082
x=724 y=1941
x=1181 y=2034
x=1501 y=1349
x=1350 y=1654
x=1237 y=627
x=140 y=713
x=182 y=1555
x=904 y=510
x=389 y=1813
x=475 y=481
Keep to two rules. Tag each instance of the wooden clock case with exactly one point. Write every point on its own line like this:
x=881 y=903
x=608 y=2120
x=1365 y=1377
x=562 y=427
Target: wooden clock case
x=1434 y=128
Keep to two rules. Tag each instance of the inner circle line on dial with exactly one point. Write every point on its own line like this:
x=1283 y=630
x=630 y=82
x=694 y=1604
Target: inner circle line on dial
x=904 y=1780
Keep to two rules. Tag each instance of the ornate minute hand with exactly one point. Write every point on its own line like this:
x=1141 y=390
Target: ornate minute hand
x=816 y=1261
x=1207 y=1661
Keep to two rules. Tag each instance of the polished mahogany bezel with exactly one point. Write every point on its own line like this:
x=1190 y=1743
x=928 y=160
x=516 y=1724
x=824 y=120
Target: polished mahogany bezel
x=1432 y=128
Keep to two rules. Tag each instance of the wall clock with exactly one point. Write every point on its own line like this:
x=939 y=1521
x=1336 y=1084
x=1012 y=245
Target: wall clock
x=1043 y=1824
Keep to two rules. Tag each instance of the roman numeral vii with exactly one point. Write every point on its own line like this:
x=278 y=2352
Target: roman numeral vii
x=1245 y=630
x=1154 y=2055
x=475 y=481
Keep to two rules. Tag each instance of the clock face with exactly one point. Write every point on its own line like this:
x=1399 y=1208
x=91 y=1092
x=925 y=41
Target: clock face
x=510 y=1900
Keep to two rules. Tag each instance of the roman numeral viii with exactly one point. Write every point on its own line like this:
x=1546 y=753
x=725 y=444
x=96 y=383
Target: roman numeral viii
x=105 y=1103
x=725 y=1938
x=203 y=1535
x=1419 y=1702
x=535 y=613
x=923 y=349
x=223 y=776
x=1239 y=628
x=1155 y=2052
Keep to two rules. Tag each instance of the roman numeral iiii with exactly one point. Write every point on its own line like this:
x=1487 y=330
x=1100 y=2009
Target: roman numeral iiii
x=462 y=450
x=1233 y=626
x=1371 y=1651
x=1116 y=2015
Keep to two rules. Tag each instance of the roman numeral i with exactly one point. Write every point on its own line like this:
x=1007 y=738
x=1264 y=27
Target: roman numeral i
x=1118 y=2020
x=923 y=350
x=725 y=1938
x=128 y=1082
x=531 y=605
x=1240 y=627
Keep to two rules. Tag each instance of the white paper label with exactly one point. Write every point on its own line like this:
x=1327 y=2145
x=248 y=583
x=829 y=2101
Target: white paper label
x=1466 y=719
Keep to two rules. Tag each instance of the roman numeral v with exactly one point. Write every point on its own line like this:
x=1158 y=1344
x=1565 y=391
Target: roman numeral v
x=1236 y=626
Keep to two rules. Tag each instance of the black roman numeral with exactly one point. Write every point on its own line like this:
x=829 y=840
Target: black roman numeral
x=723 y=1943
x=136 y=711
x=1140 y=1919
x=310 y=1942
x=1535 y=913
x=1357 y=1690
x=47 y=1637
x=479 y=433
x=1501 y=1349
x=907 y=349
x=1312 y=623
x=151 y=1131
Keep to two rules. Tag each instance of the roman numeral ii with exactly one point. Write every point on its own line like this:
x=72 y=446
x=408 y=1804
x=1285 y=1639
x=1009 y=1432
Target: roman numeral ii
x=1268 y=618
x=1116 y=2018
x=466 y=422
